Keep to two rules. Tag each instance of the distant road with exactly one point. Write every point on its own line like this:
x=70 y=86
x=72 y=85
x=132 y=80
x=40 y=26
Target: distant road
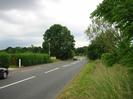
x=39 y=82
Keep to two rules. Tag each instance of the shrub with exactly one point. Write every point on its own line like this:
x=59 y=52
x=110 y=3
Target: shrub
x=95 y=51
x=109 y=59
x=4 y=60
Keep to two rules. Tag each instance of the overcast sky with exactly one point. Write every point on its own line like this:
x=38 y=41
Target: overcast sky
x=23 y=22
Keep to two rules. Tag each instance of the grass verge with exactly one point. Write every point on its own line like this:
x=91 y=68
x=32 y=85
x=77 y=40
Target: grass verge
x=97 y=81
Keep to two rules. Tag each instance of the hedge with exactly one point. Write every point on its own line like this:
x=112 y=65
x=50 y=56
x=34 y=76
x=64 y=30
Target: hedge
x=28 y=59
x=5 y=60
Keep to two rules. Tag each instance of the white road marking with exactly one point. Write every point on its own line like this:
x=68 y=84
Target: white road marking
x=66 y=65
x=75 y=62
x=51 y=70
x=71 y=64
x=17 y=82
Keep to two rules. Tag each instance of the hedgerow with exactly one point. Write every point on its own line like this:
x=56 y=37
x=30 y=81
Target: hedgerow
x=4 y=60
x=28 y=59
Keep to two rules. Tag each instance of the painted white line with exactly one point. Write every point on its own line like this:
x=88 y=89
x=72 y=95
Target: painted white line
x=17 y=82
x=74 y=63
x=51 y=70
x=66 y=65
x=71 y=64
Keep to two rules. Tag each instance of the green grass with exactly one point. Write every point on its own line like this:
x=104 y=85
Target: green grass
x=96 y=81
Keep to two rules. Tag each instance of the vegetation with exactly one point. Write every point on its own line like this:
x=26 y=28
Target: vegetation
x=104 y=38
x=31 y=49
x=59 y=41
x=111 y=35
x=95 y=50
x=97 y=81
x=27 y=59
x=4 y=60
x=108 y=59
x=118 y=13
x=81 y=51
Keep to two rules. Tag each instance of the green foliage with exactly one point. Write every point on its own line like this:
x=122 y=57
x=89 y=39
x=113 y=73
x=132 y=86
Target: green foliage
x=100 y=31
x=32 y=49
x=4 y=60
x=59 y=41
x=29 y=59
x=95 y=50
x=81 y=51
x=109 y=59
x=119 y=13
x=104 y=38
x=127 y=58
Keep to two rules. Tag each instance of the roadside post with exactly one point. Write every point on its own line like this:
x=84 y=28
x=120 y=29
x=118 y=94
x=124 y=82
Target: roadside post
x=49 y=49
x=19 y=63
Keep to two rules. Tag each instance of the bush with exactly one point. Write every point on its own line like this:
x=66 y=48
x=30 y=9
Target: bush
x=109 y=59
x=4 y=60
x=29 y=59
x=95 y=51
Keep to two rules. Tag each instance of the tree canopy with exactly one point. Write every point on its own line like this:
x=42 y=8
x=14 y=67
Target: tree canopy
x=104 y=38
x=119 y=13
x=59 y=41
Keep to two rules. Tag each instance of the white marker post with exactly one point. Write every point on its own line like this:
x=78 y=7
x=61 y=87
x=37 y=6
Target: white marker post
x=19 y=63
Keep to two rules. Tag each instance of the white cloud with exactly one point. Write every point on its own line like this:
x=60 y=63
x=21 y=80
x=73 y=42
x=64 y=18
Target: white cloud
x=29 y=23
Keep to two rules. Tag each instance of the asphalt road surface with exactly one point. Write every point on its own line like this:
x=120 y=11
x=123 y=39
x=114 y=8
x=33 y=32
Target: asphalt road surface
x=39 y=82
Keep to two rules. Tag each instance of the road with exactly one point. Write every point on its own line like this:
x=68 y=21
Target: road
x=39 y=82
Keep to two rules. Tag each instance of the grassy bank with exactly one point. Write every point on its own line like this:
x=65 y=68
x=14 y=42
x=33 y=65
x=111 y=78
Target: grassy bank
x=97 y=81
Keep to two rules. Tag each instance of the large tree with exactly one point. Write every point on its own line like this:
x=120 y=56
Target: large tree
x=59 y=41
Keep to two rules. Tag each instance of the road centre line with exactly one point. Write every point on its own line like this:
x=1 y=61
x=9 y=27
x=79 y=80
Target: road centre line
x=51 y=70
x=66 y=65
x=17 y=82
x=75 y=62
x=71 y=64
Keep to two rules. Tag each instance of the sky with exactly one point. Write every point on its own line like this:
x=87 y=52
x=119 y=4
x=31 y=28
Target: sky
x=23 y=22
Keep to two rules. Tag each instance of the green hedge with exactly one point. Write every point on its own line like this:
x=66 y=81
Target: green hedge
x=4 y=60
x=29 y=59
